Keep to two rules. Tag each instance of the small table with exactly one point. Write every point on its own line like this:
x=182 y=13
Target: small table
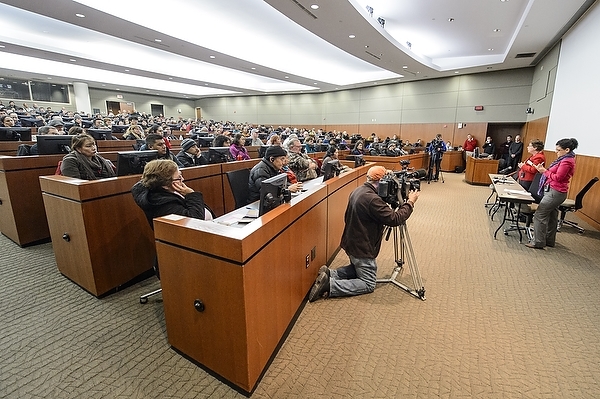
x=509 y=191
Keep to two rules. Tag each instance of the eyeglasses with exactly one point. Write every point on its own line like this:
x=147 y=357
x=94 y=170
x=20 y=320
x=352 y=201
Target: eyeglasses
x=180 y=178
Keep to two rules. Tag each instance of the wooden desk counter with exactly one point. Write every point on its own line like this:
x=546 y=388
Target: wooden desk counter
x=230 y=291
x=9 y=148
x=101 y=238
x=22 y=213
x=479 y=169
x=417 y=161
x=451 y=160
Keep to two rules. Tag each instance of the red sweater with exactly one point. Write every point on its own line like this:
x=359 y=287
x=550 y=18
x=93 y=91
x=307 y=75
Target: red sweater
x=470 y=145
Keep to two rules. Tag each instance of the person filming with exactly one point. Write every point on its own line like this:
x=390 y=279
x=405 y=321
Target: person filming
x=367 y=214
x=436 y=150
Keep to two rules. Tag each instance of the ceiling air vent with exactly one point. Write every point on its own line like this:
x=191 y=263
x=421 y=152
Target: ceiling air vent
x=525 y=55
x=306 y=10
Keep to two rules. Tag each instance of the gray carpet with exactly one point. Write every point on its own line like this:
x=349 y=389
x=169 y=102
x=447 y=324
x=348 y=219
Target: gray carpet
x=500 y=321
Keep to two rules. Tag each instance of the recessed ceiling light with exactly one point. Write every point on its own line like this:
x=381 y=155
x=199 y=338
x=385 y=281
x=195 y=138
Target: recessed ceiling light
x=490 y=49
x=117 y=89
x=253 y=68
x=147 y=91
x=80 y=15
x=170 y=78
x=450 y=19
x=158 y=40
x=496 y=30
x=103 y=85
x=351 y=36
x=405 y=66
x=455 y=71
x=127 y=70
x=49 y=78
x=315 y=83
x=2 y=46
x=314 y=6
x=287 y=77
x=72 y=60
x=212 y=56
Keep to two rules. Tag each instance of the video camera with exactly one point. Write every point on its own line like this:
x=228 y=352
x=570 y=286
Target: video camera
x=394 y=187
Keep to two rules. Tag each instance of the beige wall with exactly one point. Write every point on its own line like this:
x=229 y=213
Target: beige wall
x=505 y=95
x=98 y=99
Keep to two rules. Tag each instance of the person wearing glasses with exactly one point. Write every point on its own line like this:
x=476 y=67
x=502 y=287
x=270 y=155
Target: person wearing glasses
x=162 y=191
x=83 y=162
x=527 y=170
x=301 y=164
x=555 y=185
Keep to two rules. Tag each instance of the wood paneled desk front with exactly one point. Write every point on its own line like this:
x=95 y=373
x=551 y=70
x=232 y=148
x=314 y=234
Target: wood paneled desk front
x=479 y=169
x=417 y=161
x=231 y=291
x=451 y=160
x=22 y=213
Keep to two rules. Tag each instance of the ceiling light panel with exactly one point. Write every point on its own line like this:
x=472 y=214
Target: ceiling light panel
x=255 y=32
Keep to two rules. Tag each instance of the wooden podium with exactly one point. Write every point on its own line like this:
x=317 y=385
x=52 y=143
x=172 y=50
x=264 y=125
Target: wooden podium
x=231 y=291
x=451 y=160
x=479 y=169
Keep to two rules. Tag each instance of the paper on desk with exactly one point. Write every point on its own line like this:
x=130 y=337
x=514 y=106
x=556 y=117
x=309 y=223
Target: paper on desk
x=516 y=192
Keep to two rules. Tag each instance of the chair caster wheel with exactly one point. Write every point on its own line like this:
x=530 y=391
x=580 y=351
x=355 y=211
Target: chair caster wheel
x=143 y=300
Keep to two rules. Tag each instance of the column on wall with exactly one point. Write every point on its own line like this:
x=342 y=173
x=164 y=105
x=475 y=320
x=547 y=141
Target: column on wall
x=82 y=97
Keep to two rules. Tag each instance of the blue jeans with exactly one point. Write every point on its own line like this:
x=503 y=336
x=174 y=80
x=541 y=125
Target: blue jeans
x=545 y=218
x=358 y=278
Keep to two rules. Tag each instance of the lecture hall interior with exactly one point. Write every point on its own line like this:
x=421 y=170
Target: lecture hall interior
x=472 y=313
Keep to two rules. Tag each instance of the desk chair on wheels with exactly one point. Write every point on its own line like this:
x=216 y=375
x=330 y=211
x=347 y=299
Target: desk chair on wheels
x=238 y=181
x=531 y=208
x=570 y=205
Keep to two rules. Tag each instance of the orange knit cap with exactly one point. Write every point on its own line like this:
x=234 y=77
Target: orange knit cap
x=376 y=173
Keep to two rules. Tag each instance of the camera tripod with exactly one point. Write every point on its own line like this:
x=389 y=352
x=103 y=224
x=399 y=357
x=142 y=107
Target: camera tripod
x=403 y=253
x=432 y=163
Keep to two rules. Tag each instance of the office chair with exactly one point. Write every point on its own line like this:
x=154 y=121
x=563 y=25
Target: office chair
x=238 y=181
x=570 y=205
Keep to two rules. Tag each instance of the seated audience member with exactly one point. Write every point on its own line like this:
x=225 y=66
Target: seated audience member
x=156 y=142
x=358 y=148
x=134 y=132
x=58 y=124
x=301 y=164
x=83 y=162
x=449 y=146
x=287 y=142
x=75 y=130
x=393 y=151
x=161 y=191
x=309 y=145
x=332 y=155
x=527 y=168
x=274 y=140
x=7 y=121
x=158 y=129
x=418 y=143
x=489 y=148
x=190 y=154
x=25 y=149
x=221 y=141
x=237 y=149
x=256 y=141
x=270 y=166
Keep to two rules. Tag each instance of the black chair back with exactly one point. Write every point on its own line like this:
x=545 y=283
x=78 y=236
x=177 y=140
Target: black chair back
x=534 y=188
x=584 y=190
x=238 y=181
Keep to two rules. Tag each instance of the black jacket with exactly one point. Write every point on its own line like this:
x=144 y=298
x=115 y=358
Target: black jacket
x=261 y=171
x=160 y=202
x=188 y=160
x=366 y=216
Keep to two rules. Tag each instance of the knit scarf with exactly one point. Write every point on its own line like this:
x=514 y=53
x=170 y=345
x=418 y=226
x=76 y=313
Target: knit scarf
x=543 y=178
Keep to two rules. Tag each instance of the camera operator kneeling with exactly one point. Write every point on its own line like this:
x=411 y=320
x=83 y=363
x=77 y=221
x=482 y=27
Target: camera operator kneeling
x=366 y=216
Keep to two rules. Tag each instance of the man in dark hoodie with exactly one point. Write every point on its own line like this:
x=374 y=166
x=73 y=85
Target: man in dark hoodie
x=161 y=191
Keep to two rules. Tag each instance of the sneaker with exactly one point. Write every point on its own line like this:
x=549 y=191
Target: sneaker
x=324 y=269
x=321 y=287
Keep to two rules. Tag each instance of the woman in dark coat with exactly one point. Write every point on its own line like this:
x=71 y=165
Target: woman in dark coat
x=161 y=191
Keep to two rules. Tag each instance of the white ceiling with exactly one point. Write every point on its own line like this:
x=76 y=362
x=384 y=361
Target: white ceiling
x=193 y=49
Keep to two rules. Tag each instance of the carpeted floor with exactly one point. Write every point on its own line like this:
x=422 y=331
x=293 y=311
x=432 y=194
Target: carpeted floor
x=500 y=321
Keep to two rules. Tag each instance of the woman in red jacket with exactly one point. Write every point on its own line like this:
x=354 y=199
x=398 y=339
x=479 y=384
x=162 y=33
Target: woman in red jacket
x=527 y=169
